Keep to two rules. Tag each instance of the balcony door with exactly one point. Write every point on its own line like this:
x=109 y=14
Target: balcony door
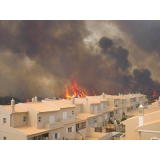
x=51 y=119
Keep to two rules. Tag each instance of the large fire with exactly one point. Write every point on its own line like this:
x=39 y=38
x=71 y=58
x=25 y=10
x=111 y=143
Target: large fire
x=154 y=99
x=75 y=90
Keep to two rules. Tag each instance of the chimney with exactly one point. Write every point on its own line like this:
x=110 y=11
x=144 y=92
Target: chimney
x=35 y=99
x=103 y=95
x=141 y=115
x=73 y=99
x=13 y=105
x=32 y=99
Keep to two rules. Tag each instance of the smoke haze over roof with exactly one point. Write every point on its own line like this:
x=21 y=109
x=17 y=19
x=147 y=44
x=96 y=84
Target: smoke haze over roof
x=38 y=57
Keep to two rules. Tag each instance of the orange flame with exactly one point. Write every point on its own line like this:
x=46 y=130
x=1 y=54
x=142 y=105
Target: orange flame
x=28 y=100
x=67 y=96
x=155 y=100
x=75 y=90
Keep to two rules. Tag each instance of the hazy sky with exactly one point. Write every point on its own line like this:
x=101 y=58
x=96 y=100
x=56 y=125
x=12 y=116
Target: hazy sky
x=38 y=57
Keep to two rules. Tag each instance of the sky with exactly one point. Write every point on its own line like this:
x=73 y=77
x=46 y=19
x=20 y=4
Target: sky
x=39 y=57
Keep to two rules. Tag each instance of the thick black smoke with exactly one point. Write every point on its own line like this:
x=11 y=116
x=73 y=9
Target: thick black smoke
x=138 y=81
x=38 y=58
x=118 y=53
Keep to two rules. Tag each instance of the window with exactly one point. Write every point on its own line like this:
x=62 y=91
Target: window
x=64 y=115
x=39 y=119
x=102 y=105
x=4 y=138
x=116 y=111
x=56 y=135
x=116 y=103
x=72 y=112
x=24 y=119
x=106 y=116
x=4 y=120
x=69 y=129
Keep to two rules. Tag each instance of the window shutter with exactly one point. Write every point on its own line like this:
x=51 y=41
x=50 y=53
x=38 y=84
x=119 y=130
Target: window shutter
x=66 y=130
x=58 y=135
x=72 y=129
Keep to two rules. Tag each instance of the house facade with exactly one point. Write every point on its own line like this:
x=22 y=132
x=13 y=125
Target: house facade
x=73 y=119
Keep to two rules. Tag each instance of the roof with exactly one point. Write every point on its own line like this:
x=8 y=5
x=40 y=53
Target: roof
x=99 y=98
x=90 y=100
x=85 y=115
x=111 y=108
x=79 y=118
x=17 y=109
x=30 y=130
x=40 y=107
x=60 y=103
x=69 y=101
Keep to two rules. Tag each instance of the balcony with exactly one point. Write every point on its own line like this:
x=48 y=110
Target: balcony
x=97 y=112
x=68 y=120
x=105 y=109
x=54 y=125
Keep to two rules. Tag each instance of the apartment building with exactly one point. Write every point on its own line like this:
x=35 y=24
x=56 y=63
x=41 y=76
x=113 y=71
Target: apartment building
x=64 y=119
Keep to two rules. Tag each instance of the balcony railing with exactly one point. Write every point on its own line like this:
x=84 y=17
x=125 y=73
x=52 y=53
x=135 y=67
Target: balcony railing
x=97 y=112
x=68 y=120
x=105 y=109
x=54 y=125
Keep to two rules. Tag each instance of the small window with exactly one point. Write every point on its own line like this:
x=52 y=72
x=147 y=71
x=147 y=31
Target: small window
x=56 y=135
x=4 y=138
x=69 y=129
x=39 y=119
x=4 y=120
x=72 y=112
x=24 y=119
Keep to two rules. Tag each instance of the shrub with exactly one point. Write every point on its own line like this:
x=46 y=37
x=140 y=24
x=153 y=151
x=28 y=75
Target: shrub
x=123 y=118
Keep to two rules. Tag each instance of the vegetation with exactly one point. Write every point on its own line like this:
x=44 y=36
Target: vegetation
x=123 y=118
x=110 y=122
